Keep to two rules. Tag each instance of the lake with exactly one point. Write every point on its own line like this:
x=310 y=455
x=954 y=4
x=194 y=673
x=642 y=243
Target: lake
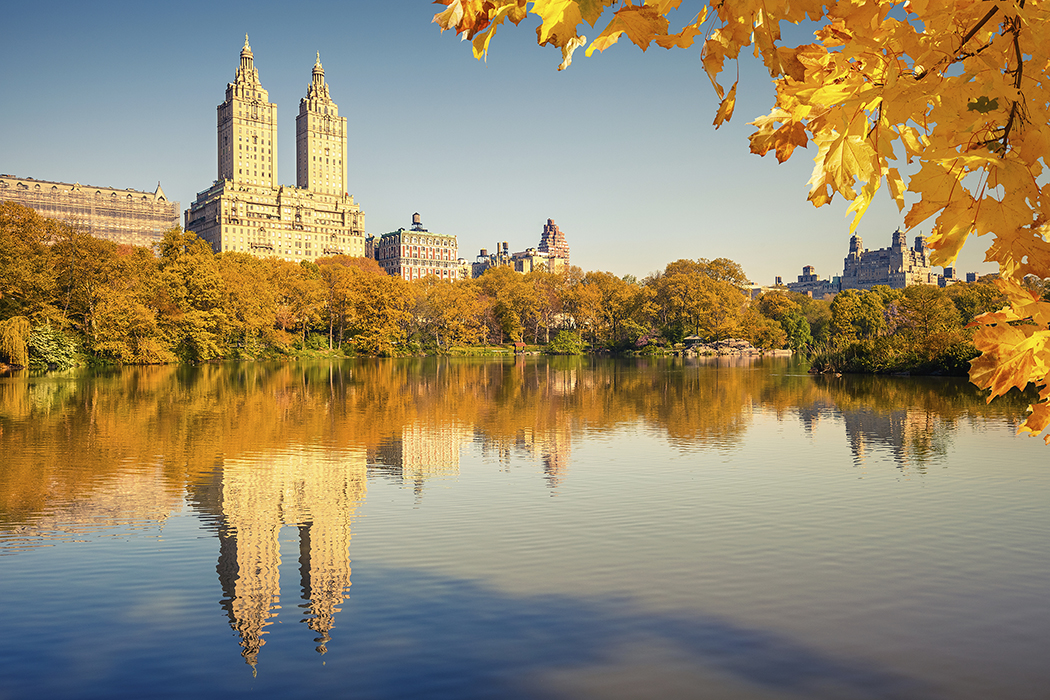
x=519 y=528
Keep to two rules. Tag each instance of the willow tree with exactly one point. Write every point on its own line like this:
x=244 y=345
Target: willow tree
x=958 y=88
x=14 y=335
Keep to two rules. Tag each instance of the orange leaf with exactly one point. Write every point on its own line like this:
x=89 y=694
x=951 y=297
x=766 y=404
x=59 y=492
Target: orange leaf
x=725 y=109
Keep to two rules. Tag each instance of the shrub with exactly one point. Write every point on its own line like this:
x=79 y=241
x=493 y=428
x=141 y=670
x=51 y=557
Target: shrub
x=566 y=343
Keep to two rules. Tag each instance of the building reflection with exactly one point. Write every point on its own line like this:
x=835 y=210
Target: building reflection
x=420 y=452
x=255 y=498
x=912 y=437
x=138 y=497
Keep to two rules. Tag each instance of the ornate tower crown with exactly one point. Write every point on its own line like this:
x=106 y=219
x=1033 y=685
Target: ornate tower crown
x=318 y=89
x=246 y=72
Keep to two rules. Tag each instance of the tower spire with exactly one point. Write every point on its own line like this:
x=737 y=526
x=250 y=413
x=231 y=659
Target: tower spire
x=246 y=72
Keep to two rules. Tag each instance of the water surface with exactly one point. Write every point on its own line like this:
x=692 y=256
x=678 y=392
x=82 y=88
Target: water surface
x=570 y=527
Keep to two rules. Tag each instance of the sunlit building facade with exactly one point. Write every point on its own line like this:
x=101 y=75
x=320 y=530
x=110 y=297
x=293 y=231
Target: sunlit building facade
x=128 y=217
x=416 y=253
x=245 y=210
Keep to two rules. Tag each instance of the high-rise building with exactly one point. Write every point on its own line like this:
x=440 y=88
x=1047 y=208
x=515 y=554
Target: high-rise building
x=245 y=210
x=320 y=139
x=122 y=216
x=248 y=128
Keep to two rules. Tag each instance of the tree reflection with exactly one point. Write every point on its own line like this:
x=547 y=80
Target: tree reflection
x=255 y=448
x=63 y=436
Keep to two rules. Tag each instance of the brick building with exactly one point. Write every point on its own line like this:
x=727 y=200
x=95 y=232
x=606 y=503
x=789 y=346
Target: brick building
x=415 y=253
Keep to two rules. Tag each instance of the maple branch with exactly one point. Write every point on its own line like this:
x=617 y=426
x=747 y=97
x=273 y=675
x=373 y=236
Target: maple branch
x=977 y=27
x=1015 y=112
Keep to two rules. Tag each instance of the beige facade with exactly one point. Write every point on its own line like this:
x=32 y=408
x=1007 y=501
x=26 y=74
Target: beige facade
x=320 y=139
x=247 y=129
x=128 y=216
x=246 y=211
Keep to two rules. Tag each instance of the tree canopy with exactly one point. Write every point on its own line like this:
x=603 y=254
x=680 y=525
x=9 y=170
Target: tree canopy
x=959 y=90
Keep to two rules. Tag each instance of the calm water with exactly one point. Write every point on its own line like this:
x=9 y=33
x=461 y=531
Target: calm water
x=566 y=528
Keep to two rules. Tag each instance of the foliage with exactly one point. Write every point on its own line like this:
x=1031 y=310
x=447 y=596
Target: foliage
x=959 y=89
x=915 y=331
x=14 y=335
x=566 y=343
x=50 y=348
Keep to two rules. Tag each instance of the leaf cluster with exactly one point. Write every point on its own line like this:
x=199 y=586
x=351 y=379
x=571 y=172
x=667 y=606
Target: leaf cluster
x=947 y=103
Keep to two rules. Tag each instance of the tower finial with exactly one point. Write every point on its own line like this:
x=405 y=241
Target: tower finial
x=318 y=58
x=246 y=41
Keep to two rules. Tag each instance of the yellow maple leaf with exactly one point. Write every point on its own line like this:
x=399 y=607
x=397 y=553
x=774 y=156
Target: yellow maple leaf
x=560 y=18
x=641 y=24
x=567 y=50
x=954 y=224
x=683 y=39
x=896 y=184
x=841 y=158
x=591 y=10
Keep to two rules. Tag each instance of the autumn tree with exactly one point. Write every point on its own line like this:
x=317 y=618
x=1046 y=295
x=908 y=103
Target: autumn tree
x=249 y=302
x=191 y=295
x=692 y=302
x=127 y=324
x=28 y=285
x=787 y=312
x=958 y=89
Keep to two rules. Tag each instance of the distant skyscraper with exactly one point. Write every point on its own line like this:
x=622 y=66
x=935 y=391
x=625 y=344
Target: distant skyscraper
x=245 y=210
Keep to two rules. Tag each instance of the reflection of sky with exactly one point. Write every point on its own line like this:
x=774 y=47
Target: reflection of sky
x=769 y=571
x=769 y=565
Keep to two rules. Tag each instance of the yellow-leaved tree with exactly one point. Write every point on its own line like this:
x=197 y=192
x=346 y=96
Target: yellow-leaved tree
x=957 y=89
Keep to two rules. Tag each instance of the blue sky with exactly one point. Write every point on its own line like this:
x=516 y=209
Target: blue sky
x=618 y=149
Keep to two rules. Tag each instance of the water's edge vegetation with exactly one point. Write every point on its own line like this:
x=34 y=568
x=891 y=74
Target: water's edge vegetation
x=68 y=299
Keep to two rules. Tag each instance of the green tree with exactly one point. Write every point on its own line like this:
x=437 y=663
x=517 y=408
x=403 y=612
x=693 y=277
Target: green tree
x=856 y=315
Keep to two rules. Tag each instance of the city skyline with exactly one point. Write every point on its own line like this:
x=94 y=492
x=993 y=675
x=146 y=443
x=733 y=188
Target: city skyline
x=618 y=149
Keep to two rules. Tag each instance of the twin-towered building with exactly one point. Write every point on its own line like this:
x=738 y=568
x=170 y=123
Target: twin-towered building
x=246 y=210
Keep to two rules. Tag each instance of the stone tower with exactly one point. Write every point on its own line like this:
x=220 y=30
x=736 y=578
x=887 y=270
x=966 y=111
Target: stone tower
x=320 y=139
x=247 y=124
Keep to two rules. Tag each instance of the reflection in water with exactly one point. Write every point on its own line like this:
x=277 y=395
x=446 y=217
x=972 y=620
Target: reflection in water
x=752 y=573
x=261 y=447
x=910 y=419
x=420 y=452
x=64 y=437
x=128 y=498
x=315 y=491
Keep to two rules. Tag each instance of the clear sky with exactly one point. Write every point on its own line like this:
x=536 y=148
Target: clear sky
x=618 y=149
